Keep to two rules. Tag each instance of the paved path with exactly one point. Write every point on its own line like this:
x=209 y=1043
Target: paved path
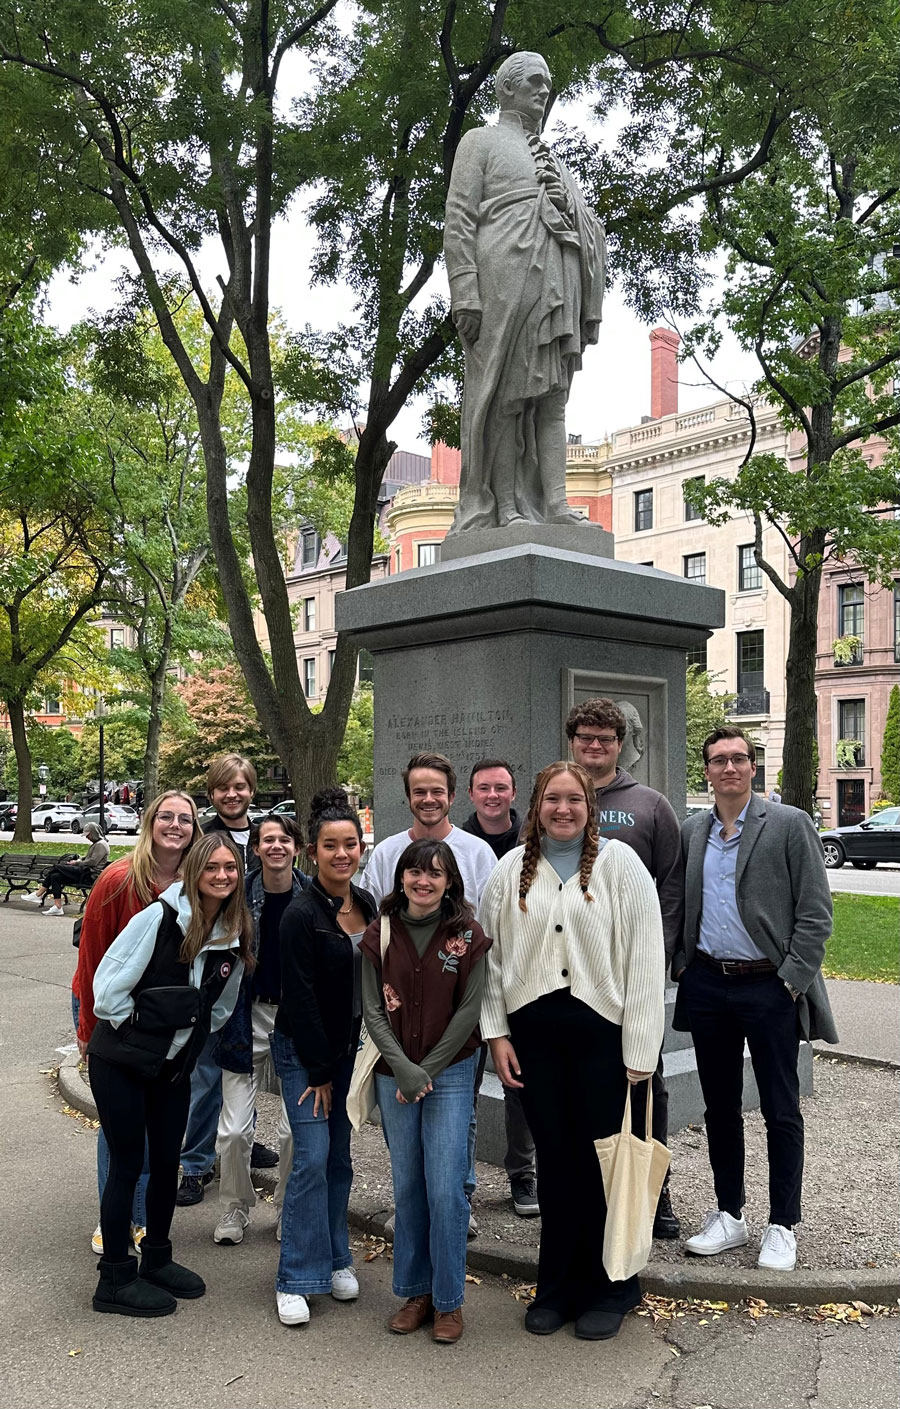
x=884 y=880
x=867 y=1017
x=229 y=1349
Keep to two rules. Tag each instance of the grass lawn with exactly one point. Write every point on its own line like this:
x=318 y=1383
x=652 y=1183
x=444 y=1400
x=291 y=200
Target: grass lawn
x=55 y=848
x=866 y=938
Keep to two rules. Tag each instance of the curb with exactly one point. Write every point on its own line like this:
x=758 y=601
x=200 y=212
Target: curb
x=874 y=1285
x=855 y=1058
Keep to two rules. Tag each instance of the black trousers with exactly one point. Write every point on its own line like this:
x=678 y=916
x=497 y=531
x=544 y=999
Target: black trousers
x=66 y=872
x=723 y=1011
x=574 y=1087
x=131 y=1106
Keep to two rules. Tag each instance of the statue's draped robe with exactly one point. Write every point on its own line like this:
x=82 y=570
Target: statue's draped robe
x=536 y=275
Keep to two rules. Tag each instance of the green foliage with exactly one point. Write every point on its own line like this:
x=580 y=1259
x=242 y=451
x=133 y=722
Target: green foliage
x=890 y=749
x=355 y=760
x=846 y=750
x=59 y=749
x=705 y=712
x=218 y=718
x=124 y=744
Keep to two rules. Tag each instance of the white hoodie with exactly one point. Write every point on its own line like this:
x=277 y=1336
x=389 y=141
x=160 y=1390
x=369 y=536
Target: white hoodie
x=126 y=959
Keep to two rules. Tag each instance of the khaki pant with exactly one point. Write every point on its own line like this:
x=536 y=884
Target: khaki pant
x=235 y=1136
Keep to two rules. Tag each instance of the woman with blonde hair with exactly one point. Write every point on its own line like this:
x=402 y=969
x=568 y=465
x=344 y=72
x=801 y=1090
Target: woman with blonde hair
x=168 y=829
x=573 y=1010
x=169 y=979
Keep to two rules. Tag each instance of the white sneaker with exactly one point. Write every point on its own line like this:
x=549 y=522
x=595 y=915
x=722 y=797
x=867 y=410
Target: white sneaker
x=778 y=1252
x=230 y=1229
x=55 y=910
x=292 y=1310
x=278 y=1228
x=32 y=898
x=719 y=1233
x=97 y=1241
x=344 y=1286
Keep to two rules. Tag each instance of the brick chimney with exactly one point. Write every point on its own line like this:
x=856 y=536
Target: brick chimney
x=663 y=372
x=445 y=464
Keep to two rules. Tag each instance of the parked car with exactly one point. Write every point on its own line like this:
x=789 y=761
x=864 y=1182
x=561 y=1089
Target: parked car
x=8 y=812
x=288 y=808
x=117 y=817
x=57 y=817
x=875 y=839
x=254 y=814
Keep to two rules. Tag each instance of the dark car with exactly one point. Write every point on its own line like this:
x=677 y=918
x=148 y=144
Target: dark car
x=875 y=839
x=8 y=812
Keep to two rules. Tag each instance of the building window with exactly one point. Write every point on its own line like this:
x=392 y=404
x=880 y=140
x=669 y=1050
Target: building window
x=309 y=548
x=643 y=510
x=117 y=638
x=697 y=657
x=690 y=513
x=397 y=567
x=852 y=727
x=897 y=623
x=51 y=705
x=759 y=778
x=695 y=567
x=426 y=554
x=309 y=613
x=331 y=656
x=851 y=617
x=749 y=571
x=309 y=677
x=366 y=668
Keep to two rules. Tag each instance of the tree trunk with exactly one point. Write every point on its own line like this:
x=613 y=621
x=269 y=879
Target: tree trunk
x=800 y=677
x=16 y=711
x=154 y=723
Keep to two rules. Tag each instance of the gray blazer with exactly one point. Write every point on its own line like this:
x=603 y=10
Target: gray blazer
x=783 y=899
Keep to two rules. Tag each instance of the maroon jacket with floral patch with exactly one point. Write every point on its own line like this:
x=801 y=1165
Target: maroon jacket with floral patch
x=421 y=995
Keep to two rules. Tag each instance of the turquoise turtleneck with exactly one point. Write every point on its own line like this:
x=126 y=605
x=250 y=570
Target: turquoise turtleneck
x=564 y=856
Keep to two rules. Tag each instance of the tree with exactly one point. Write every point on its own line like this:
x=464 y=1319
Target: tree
x=55 y=548
x=57 y=749
x=356 y=765
x=890 y=749
x=813 y=279
x=705 y=712
x=219 y=156
x=218 y=718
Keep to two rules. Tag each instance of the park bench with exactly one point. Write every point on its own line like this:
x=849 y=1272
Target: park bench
x=19 y=871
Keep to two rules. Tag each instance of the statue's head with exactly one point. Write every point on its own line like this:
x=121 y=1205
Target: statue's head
x=522 y=84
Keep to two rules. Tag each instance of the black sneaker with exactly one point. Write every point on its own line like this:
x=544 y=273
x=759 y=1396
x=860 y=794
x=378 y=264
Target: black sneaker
x=524 y=1197
x=192 y=1188
x=261 y=1157
x=665 y=1224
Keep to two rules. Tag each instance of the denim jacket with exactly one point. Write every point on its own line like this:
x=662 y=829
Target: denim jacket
x=234 y=1049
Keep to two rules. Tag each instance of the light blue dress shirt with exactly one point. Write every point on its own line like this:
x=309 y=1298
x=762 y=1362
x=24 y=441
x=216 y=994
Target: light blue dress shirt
x=722 y=933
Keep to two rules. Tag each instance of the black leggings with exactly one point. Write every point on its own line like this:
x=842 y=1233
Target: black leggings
x=132 y=1107
x=66 y=874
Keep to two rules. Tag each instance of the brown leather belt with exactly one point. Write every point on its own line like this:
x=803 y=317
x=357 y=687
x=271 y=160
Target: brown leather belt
x=736 y=968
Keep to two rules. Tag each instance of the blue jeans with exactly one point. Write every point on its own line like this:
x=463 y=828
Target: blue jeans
x=428 y=1143
x=198 y=1153
x=314 y=1239
x=139 y=1206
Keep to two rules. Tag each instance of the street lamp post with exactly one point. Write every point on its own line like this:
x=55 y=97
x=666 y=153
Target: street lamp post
x=98 y=714
x=43 y=774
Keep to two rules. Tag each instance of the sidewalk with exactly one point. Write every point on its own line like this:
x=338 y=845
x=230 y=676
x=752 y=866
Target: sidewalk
x=848 y=1245
x=868 y=1020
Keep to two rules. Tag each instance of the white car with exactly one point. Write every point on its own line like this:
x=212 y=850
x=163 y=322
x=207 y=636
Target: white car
x=57 y=817
x=116 y=817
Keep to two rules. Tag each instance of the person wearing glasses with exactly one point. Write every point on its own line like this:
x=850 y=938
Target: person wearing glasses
x=639 y=816
x=757 y=918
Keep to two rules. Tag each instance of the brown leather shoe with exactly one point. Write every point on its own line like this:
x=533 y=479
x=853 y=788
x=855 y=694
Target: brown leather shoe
x=448 y=1326
x=410 y=1317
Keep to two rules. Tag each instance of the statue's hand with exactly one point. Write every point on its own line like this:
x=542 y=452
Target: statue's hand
x=556 y=191
x=468 y=325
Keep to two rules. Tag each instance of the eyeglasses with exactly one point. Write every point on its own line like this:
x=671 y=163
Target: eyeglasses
x=184 y=819
x=604 y=740
x=722 y=760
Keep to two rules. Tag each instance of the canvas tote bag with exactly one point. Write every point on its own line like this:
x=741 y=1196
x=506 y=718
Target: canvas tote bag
x=361 y=1100
x=633 y=1171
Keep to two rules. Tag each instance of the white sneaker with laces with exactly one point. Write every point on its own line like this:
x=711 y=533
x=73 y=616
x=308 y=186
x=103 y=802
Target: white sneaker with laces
x=138 y=1234
x=55 y=910
x=344 y=1286
x=778 y=1252
x=32 y=898
x=230 y=1228
x=97 y=1241
x=719 y=1233
x=292 y=1310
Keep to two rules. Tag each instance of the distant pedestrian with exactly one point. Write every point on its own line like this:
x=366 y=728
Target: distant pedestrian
x=74 y=873
x=168 y=979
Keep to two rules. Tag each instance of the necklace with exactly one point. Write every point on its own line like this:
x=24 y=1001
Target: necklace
x=349 y=907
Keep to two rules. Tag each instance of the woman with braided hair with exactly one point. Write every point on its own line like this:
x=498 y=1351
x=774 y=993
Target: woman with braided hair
x=573 y=1010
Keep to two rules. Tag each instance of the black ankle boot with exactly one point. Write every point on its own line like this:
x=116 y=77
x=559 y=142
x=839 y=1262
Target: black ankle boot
x=121 y=1290
x=157 y=1267
x=665 y=1223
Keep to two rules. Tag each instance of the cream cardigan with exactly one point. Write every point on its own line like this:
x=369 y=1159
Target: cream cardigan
x=610 y=953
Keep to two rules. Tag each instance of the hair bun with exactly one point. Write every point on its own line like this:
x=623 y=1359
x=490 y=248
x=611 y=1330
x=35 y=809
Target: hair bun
x=327 y=797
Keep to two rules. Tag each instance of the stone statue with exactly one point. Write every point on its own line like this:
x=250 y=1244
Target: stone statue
x=526 y=260
x=633 y=743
